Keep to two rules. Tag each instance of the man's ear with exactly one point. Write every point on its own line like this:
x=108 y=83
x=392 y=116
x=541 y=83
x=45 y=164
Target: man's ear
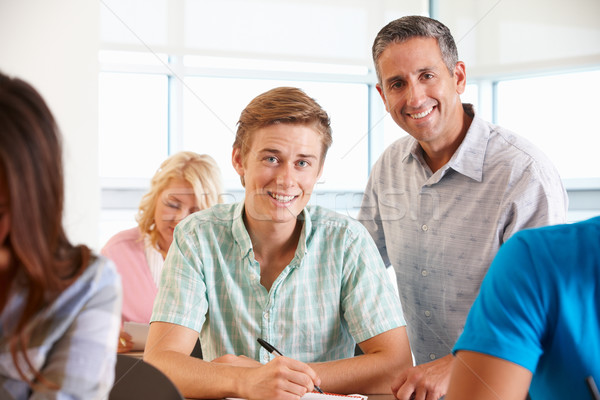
x=460 y=77
x=237 y=162
x=380 y=90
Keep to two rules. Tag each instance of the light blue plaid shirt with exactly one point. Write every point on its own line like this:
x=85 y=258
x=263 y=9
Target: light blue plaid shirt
x=334 y=292
x=73 y=340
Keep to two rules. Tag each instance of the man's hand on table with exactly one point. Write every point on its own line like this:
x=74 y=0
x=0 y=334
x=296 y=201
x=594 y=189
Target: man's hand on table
x=427 y=381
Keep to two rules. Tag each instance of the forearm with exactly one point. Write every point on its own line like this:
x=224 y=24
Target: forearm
x=367 y=374
x=196 y=378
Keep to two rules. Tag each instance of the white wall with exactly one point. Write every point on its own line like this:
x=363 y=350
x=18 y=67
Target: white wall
x=54 y=46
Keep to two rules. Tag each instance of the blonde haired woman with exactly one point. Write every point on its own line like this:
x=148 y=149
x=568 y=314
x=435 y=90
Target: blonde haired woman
x=185 y=183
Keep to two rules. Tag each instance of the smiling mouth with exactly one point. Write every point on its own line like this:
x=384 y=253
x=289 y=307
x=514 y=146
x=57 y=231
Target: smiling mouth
x=422 y=114
x=282 y=198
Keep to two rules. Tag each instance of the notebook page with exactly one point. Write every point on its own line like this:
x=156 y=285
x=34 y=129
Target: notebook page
x=325 y=396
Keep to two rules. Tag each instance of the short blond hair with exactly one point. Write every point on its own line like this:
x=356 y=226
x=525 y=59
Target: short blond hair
x=199 y=170
x=282 y=105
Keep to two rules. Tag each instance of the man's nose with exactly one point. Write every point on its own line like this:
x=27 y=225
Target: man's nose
x=415 y=95
x=285 y=176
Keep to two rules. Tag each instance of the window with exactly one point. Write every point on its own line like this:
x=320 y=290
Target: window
x=133 y=121
x=558 y=114
x=212 y=107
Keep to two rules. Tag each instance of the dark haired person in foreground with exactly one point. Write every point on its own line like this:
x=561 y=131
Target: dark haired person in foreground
x=60 y=304
x=305 y=279
x=535 y=325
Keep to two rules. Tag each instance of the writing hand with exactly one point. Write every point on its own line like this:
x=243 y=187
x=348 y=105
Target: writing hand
x=427 y=381
x=280 y=379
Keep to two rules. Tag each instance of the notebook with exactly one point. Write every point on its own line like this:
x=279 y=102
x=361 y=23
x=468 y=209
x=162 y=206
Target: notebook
x=327 y=396
x=317 y=396
x=138 y=332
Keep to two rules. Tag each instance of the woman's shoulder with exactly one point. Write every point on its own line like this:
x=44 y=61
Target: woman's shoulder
x=100 y=278
x=127 y=238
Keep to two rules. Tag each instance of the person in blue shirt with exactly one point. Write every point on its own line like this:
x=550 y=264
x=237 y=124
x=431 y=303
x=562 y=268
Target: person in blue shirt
x=535 y=325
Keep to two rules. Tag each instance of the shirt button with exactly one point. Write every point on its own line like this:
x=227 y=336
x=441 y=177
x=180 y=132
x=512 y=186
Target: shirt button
x=266 y=315
x=424 y=272
x=431 y=356
x=424 y=228
x=428 y=313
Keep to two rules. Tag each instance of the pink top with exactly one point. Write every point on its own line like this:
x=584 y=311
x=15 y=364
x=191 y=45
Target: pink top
x=126 y=250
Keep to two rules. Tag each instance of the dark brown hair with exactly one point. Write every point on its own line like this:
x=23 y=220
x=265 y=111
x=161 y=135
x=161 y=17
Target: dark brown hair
x=43 y=263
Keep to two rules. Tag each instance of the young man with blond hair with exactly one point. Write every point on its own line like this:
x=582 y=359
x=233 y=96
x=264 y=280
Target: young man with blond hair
x=305 y=279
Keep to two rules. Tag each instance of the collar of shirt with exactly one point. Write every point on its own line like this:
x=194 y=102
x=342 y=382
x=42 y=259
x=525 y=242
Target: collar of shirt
x=242 y=238
x=467 y=159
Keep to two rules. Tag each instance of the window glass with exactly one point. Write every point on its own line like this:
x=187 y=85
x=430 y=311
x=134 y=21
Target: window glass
x=313 y=29
x=140 y=22
x=471 y=95
x=557 y=113
x=212 y=107
x=133 y=124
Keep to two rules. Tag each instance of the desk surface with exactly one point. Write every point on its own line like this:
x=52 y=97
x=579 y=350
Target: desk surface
x=372 y=397
x=140 y=354
x=135 y=354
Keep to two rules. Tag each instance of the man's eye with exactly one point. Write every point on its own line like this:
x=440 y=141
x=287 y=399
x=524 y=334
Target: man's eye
x=397 y=85
x=303 y=163
x=271 y=160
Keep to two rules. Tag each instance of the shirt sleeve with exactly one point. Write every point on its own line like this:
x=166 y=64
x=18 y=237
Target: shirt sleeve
x=82 y=360
x=182 y=297
x=507 y=319
x=370 y=301
x=538 y=199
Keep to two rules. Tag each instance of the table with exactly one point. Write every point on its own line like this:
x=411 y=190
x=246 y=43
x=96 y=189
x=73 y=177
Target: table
x=135 y=354
x=140 y=355
x=371 y=397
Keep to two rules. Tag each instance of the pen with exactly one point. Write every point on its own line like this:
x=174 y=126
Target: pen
x=271 y=349
x=593 y=388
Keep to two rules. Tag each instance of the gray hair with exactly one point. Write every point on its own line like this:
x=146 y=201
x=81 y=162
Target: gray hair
x=402 y=29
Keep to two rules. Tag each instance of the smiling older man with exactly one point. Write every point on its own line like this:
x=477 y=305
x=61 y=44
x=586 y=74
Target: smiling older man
x=441 y=201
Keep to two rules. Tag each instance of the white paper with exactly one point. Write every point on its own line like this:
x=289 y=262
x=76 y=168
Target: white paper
x=326 y=396
x=317 y=396
x=138 y=332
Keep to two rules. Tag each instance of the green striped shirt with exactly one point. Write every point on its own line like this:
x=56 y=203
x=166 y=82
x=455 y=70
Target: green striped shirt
x=335 y=291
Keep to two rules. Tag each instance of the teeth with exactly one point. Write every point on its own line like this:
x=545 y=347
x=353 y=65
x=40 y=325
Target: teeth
x=283 y=199
x=421 y=115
